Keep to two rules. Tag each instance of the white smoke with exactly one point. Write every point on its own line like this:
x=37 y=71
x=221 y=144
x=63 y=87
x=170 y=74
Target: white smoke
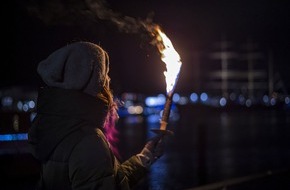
x=75 y=12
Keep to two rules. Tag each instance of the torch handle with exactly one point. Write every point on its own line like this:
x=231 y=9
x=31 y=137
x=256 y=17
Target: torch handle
x=165 y=117
x=166 y=113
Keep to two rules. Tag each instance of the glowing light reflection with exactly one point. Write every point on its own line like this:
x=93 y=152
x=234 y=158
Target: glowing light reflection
x=14 y=137
x=135 y=109
x=248 y=103
x=223 y=101
x=176 y=97
x=194 y=97
x=155 y=101
x=287 y=100
x=203 y=96
x=265 y=99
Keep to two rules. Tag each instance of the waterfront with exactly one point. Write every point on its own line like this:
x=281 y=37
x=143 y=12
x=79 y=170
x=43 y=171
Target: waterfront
x=209 y=145
x=215 y=144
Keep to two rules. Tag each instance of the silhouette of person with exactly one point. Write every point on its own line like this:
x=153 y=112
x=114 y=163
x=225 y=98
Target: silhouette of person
x=73 y=131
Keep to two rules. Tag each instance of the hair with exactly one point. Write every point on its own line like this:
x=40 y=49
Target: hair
x=111 y=118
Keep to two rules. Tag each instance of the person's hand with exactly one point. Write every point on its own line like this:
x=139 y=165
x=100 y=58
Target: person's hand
x=153 y=149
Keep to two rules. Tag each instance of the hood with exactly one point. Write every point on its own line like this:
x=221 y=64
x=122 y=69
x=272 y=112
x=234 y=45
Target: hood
x=80 y=66
x=59 y=113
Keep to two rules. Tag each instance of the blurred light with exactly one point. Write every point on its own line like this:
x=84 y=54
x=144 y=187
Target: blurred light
x=175 y=116
x=15 y=121
x=248 y=102
x=152 y=110
x=203 y=96
x=135 y=109
x=25 y=107
x=128 y=103
x=287 y=100
x=155 y=101
x=161 y=95
x=161 y=113
x=223 y=101
x=241 y=99
x=273 y=101
x=19 y=105
x=31 y=104
x=32 y=116
x=265 y=99
x=14 y=137
x=154 y=118
x=176 y=97
x=7 y=101
x=194 y=97
x=183 y=100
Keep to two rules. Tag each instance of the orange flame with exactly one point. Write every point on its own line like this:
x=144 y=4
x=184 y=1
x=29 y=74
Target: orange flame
x=171 y=59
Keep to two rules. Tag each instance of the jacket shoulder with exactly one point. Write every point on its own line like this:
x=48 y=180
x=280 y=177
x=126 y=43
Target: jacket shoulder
x=91 y=161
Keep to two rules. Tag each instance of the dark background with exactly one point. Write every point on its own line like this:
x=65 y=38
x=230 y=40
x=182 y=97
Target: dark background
x=210 y=144
x=192 y=26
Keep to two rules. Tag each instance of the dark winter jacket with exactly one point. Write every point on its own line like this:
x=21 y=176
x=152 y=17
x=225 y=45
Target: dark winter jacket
x=67 y=138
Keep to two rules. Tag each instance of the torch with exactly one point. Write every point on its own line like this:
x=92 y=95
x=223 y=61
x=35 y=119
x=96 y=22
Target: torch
x=173 y=64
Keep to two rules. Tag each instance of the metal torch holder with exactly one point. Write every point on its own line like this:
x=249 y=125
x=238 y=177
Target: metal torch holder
x=165 y=117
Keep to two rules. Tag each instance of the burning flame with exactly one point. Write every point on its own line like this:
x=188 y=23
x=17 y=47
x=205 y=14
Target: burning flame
x=171 y=59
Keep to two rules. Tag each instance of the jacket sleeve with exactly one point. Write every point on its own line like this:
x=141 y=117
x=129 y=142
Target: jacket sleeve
x=91 y=165
x=130 y=172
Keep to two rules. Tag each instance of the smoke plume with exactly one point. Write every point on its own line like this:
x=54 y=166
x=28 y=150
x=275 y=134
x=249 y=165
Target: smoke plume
x=74 y=12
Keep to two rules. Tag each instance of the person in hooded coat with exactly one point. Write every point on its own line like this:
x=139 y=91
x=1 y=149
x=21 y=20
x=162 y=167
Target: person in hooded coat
x=71 y=132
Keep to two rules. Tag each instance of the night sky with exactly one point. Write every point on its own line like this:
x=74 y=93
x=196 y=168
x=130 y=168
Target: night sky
x=193 y=26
